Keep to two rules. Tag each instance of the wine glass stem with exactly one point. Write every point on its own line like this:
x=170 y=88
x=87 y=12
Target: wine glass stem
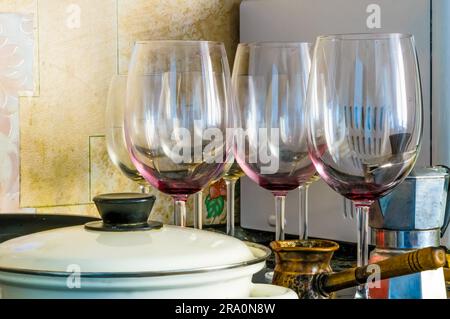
x=362 y=215
x=198 y=210
x=180 y=212
x=303 y=213
x=231 y=183
x=280 y=205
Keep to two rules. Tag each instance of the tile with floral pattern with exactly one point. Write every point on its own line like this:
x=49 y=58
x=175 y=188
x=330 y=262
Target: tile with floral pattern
x=16 y=75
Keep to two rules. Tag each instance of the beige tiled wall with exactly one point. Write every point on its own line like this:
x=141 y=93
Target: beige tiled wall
x=215 y=20
x=81 y=44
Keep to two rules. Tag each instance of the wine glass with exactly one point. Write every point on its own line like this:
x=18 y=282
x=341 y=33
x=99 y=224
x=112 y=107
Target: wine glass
x=364 y=118
x=115 y=137
x=179 y=107
x=270 y=82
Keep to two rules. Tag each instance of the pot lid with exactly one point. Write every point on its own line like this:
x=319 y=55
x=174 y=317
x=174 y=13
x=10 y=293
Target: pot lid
x=158 y=251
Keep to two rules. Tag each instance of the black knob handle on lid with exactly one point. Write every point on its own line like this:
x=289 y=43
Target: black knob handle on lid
x=124 y=212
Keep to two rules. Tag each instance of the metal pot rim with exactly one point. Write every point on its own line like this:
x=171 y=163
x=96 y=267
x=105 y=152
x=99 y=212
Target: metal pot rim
x=312 y=245
x=266 y=252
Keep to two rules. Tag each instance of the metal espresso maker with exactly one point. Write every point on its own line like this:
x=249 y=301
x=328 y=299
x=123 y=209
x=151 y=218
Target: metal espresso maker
x=415 y=215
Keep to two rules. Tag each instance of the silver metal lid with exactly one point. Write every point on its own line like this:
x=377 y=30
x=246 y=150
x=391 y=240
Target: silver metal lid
x=418 y=203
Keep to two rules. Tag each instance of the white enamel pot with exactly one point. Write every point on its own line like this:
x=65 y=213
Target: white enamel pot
x=112 y=259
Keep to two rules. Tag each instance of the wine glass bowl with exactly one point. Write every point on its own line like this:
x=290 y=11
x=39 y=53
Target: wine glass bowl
x=115 y=135
x=178 y=110
x=364 y=118
x=270 y=82
x=365 y=115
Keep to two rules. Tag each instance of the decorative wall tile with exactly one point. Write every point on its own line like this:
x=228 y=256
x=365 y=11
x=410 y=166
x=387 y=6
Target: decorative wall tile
x=77 y=210
x=77 y=57
x=28 y=9
x=16 y=75
x=18 y=6
x=215 y=20
x=81 y=45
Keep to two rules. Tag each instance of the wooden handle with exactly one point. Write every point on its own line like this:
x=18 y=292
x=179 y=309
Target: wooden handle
x=405 y=264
